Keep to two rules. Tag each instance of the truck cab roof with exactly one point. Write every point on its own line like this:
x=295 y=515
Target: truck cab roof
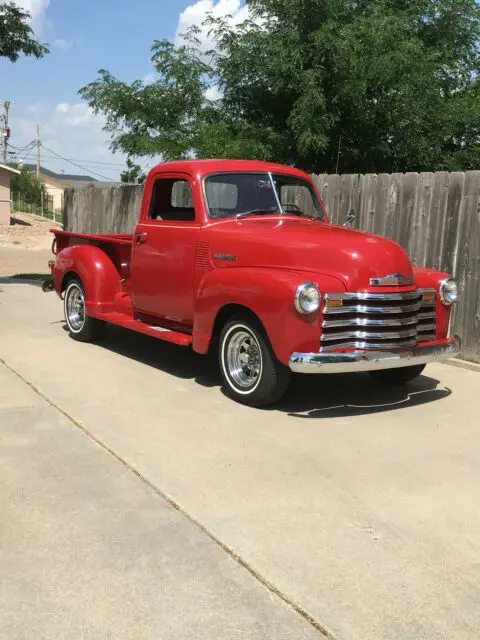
x=202 y=168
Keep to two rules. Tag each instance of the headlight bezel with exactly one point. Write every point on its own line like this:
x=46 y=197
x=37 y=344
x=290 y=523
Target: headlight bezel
x=444 y=295
x=301 y=289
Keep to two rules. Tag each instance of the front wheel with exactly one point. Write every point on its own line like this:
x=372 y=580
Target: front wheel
x=251 y=373
x=81 y=327
x=397 y=376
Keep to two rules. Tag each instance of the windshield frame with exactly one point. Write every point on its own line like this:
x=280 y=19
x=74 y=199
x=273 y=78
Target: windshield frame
x=311 y=187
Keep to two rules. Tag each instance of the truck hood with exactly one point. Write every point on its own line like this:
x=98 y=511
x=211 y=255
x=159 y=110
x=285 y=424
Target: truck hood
x=351 y=256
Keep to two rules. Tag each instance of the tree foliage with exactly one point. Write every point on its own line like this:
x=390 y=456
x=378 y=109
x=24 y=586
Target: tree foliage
x=375 y=85
x=26 y=186
x=16 y=34
x=133 y=174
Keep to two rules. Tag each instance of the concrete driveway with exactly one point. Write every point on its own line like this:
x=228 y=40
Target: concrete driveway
x=348 y=511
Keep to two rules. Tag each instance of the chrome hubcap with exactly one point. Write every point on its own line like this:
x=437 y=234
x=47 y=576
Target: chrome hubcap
x=75 y=306
x=243 y=359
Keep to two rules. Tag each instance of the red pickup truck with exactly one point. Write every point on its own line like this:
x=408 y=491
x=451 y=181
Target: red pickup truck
x=239 y=258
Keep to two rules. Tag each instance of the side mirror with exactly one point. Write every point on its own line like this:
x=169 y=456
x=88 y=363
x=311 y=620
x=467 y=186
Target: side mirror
x=350 y=219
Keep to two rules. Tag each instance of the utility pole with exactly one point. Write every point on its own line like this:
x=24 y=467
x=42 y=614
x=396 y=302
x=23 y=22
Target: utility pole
x=38 y=152
x=5 y=130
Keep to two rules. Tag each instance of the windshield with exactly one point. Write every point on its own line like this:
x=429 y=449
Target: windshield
x=240 y=194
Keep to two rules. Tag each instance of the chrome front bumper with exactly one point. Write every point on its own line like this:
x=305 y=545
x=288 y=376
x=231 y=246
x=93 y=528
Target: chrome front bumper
x=356 y=361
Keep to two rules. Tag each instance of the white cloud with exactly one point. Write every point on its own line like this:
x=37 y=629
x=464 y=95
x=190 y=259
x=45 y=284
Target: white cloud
x=149 y=78
x=196 y=13
x=36 y=8
x=213 y=93
x=63 y=45
x=70 y=130
x=76 y=115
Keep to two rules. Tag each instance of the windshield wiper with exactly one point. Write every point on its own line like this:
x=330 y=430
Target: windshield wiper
x=255 y=212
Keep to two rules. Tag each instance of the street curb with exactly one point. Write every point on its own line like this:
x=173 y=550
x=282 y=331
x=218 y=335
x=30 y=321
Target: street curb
x=463 y=364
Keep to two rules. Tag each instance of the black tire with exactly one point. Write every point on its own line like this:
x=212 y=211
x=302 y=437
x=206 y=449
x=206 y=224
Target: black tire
x=250 y=371
x=80 y=326
x=401 y=376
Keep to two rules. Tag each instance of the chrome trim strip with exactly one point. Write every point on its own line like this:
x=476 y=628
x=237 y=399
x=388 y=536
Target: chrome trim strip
x=392 y=335
x=422 y=327
x=393 y=280
x=427 y=316
x=369 y=322
x=427 y=336
x=411 y=308
x=357 y=361
x=407 y=295
x=363 y=344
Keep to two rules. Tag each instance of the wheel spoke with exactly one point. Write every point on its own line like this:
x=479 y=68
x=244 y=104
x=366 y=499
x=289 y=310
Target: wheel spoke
x=243 y=359
x=75 y=308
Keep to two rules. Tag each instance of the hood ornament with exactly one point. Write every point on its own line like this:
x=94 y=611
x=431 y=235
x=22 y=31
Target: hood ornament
x=393 y=280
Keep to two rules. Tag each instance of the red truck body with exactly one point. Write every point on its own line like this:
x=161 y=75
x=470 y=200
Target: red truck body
x=218 y=239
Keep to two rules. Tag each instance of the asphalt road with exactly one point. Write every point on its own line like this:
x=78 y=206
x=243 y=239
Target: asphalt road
x=139 y=502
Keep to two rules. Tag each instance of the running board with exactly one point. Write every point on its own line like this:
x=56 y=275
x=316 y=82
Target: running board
x=161 y=333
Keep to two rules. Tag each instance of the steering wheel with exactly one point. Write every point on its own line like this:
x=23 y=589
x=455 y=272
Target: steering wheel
x=292 y=205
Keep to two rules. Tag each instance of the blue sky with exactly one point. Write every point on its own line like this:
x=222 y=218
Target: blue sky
x=84 y=36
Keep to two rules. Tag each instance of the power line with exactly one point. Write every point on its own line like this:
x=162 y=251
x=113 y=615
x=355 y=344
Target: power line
x=22 y=149
x=33 y=142
x=86 y=162
x=75 y=164
x=27 y=155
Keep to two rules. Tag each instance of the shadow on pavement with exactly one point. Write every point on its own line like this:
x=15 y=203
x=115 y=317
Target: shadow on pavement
x=321 y=396
x=34 y=279
x=23 y=223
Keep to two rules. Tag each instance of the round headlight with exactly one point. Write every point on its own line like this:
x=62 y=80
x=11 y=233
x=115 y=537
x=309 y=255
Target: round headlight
x=307 y=298
x=448 y=291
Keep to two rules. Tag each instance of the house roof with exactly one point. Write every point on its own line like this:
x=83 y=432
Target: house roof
x=62 y=177
x=10 y=169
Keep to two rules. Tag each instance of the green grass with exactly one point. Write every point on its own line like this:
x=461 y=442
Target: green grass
x=32 y=276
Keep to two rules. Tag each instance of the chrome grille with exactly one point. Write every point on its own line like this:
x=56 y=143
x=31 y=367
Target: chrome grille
x=378 y=320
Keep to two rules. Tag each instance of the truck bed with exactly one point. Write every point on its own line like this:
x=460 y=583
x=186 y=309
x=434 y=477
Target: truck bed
x=69 y=238
x=118 y=246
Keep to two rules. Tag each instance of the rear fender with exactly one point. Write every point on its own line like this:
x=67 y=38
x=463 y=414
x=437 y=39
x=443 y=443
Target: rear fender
x=97 y=272
x=270 y=295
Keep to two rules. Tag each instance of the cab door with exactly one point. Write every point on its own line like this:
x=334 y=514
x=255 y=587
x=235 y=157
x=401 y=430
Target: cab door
x=165 y=239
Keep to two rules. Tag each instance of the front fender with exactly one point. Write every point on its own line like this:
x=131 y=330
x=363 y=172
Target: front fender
x=270 y=295
x=97 y=272
x=431 y=279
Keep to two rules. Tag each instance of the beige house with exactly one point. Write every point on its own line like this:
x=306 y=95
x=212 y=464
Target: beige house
x=55 y=189
x=5 y=175
x=56 y=183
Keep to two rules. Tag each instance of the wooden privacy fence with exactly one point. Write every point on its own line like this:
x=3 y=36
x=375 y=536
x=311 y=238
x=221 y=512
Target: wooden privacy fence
x=434 y=216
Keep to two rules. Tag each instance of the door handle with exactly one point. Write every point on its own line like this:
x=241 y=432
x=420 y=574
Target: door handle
x=141 y=238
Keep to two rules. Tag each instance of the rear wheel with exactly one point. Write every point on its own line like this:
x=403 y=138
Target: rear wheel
x=251 y=372
x=397 y=376
x=81 y=327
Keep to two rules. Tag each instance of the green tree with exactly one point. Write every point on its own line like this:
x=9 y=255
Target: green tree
x=16 y=34
x=133 y=174
x=375 y=85
x=26 y=186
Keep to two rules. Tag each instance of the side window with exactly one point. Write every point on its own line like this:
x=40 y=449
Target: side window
x=172 y=200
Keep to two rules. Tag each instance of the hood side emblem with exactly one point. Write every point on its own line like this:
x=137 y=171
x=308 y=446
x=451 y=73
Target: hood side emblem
x=225 y=256
x=393 y=280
